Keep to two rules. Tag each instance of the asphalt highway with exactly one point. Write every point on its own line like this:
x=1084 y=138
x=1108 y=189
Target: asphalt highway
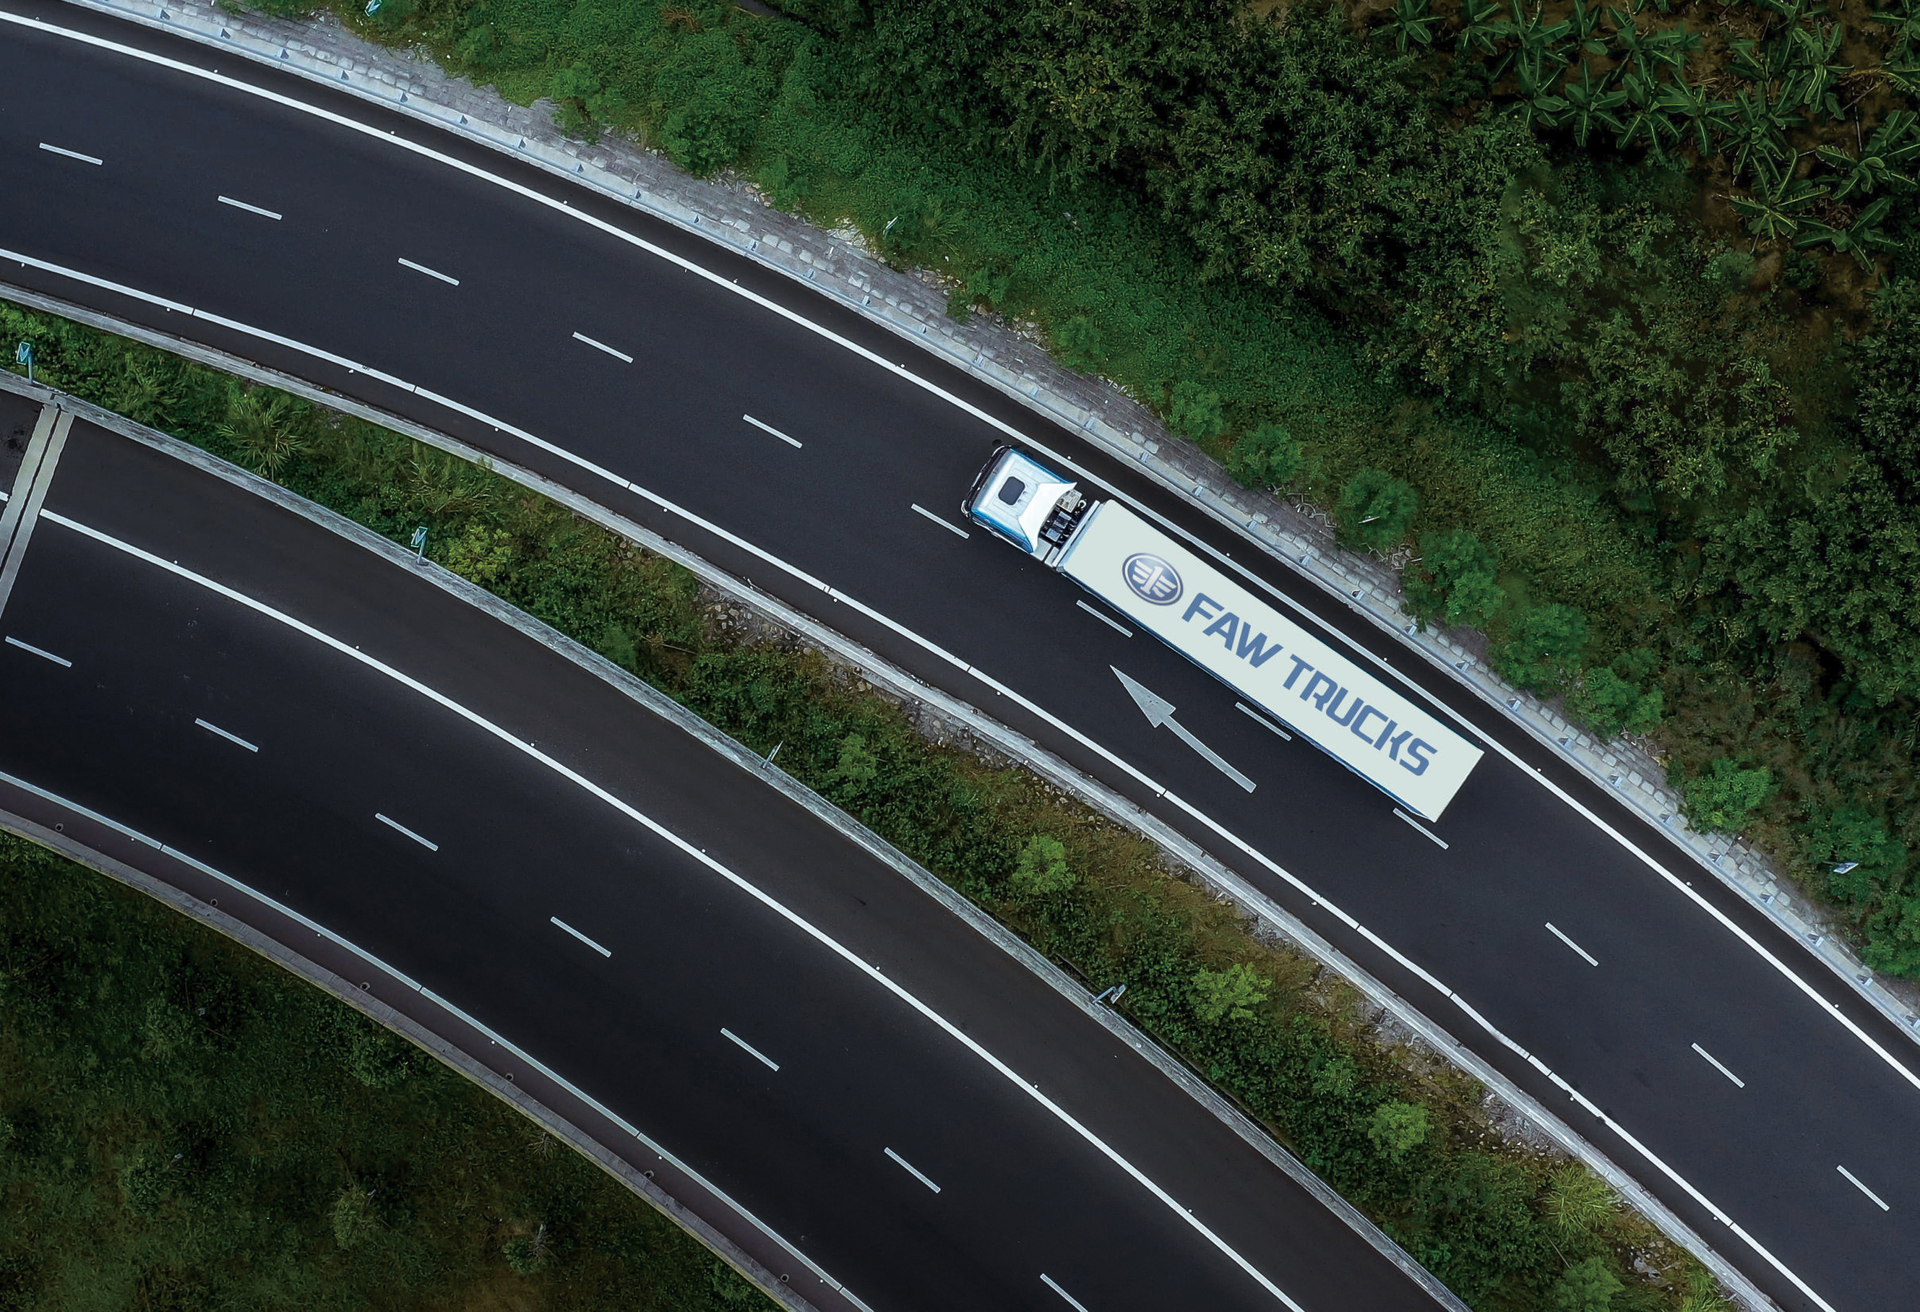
x=779 y=1068
x=1757 y=1088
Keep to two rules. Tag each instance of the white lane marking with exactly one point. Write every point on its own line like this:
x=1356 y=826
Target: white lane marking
x=912 y=1170
x=769 y=1062
x=388 y=820
x=1718 y=1065
x=72 y=154
x=253 y=209
x=941 y=521
x=1425 y=832
x=431 y=273
x=474 y=1023
x=901 y=371
x=1054 y=1285
x=694 y=854
x=40 y=652
x=1261 y=720
x=769 y=428
x=1862 y=1188
x=1591 y=959
x=1107 y=620
x=230 y=737
x=582 y=937
x=602 y=346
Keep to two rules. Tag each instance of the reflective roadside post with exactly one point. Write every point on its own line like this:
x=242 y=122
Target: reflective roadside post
x=23 y=354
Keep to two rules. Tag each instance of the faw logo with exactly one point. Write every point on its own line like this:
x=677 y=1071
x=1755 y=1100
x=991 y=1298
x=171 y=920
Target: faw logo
x=1152 y=579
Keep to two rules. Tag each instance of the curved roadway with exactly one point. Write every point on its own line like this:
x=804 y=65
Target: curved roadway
x=1756 y=1087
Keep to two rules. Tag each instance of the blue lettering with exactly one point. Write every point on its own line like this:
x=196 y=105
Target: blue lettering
x=1226 y=626
x=1255 y=643
x=1385 y=734
x=1361 y=719
x=1333 y=711
x=1320 y=701
x=1196 y=607
x=1299 y=667
x=1413 y=753
x=1393 y=749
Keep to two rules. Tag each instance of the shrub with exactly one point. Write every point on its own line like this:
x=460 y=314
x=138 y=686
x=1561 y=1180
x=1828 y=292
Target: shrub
x=1544 y=648
x=1375 y=510
x=1454 y=580
x=1726 y=797
x=1267 y=459
x=1196 y=412
x=1585 y=1287
x=1230 y=994
x=1609 y=705
x=1042 y=868
x=1397 y=1128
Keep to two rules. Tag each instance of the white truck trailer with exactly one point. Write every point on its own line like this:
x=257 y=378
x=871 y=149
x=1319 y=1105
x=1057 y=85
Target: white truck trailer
x=1373 y=729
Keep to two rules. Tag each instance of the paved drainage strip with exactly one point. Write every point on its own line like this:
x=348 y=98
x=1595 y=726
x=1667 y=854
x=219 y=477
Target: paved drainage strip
x=324 y=52
x=1201 y=864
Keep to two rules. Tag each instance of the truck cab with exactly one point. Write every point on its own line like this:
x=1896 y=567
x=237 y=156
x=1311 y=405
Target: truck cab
x=1018 y=498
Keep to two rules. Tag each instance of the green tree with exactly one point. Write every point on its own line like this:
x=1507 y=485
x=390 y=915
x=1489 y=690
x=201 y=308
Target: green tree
x=1195 y=412
x=527 y=1254
x=1544 y=649
x=269 y=428
x=1585 y=1287
x=1411 y=23
x=1375 y=510
x=1610 y=705
x=1454 y=580
x=1397 y=1128
x=732 y=1288
x=1230 y=994
x=1727 y=796
x=584 y=104
x=1041 y=869
x=1266 y=459
x=1844 y=835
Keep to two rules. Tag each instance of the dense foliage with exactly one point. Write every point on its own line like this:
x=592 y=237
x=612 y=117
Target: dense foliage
x=1404 y=1138
x=185 y=1128
x=1624 y=292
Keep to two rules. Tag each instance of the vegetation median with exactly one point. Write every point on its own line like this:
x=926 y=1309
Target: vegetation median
x=1508 y=1226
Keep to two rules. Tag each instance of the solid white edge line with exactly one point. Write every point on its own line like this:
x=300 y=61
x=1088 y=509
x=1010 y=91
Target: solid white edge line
x=61 y=661
x=1107 y=620
x=1855 y=1180
x=251 y=209
x=1054 y=1285
x=473 y=1022
x=230 y=737
x=1262 y=720
x=693 y=853
x=765 y=1060
x=605 y=952
x=900 y=371
x=621 y=356
x=1591 y=959
x=912 y=1170
x=941 y=520
x=390 y=821
x=769 y=428
x=71 y=154
x=1425 y=832
x=431 y=273
x=1719 y=1066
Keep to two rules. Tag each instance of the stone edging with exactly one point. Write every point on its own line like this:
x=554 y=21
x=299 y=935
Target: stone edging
x=421 y=1037
x=1227 y=884
x=915 y=309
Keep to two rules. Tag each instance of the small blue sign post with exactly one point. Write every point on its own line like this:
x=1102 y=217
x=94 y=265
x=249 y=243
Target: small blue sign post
x=23 y=354
x=419 y=543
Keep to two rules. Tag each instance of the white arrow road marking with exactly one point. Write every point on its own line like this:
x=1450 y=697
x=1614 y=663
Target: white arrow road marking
x=1159 y=713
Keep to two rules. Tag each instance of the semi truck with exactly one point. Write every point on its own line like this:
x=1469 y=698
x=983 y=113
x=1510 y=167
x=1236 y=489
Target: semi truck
x=1372 y=728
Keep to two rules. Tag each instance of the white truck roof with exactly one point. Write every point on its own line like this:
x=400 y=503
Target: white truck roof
x=1016 y=496
x=1220 y=625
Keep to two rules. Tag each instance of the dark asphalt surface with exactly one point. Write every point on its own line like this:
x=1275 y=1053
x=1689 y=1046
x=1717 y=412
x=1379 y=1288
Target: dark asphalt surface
x=1815 y=1097
x=860 y=1071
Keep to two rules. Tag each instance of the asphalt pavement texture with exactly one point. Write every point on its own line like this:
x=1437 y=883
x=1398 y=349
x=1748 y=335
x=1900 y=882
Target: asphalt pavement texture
x=1812 y=1096
x=166 y=674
